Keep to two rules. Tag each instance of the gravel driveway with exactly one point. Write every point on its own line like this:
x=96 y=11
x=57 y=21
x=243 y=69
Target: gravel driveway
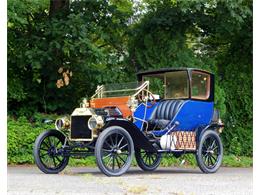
x=175 y=181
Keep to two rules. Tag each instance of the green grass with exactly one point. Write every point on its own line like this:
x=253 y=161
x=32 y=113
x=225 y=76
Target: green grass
x=187 y=160
x=237 y=161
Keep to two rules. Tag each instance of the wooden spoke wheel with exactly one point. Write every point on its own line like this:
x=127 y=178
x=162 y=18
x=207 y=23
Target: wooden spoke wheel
x=114 y=151
x=148 y=161
x=48 y=152
x=210 y=152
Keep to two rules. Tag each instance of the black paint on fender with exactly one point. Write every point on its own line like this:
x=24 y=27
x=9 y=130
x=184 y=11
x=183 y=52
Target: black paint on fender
x=139 y=139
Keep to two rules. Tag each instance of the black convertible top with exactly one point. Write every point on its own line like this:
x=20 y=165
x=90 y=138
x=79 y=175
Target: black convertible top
x=164 y=70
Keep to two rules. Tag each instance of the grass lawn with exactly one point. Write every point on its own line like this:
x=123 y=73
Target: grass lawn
x=187 y=160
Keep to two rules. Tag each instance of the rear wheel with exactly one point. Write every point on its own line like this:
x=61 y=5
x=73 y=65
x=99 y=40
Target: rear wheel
x=210 y=152
x=114 y=151
x=48 y=152
x=148 y=161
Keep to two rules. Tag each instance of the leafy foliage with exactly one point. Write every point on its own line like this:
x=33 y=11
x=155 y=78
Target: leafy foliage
x=87 y=42
x=98 y=42
x=21 y=136
x=213 y=35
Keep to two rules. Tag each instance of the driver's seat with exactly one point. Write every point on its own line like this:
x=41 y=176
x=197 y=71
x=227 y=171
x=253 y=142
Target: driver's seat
x=164 y=113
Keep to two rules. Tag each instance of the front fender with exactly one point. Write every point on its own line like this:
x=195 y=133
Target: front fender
x=139 y=139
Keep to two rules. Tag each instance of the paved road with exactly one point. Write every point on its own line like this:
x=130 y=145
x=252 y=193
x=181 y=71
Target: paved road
x=175 y=181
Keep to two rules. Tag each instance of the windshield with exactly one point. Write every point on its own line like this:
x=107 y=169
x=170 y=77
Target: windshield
x=170 y=85
x=156 y=84
x=117 y=90
x=177 y=85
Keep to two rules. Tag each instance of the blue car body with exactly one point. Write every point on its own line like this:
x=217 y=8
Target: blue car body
x=192 y=115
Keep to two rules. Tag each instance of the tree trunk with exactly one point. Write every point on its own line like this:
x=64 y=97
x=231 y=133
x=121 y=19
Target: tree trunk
x=57 y=6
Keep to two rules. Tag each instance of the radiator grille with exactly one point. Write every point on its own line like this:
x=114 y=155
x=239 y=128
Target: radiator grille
x=79 y=127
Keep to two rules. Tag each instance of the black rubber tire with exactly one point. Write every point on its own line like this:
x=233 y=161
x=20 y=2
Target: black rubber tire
x=103 y=137
x=36 y=152
x=141 y=161
x=207 y=135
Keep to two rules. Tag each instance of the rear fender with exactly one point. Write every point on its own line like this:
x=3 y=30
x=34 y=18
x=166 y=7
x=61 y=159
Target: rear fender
x=139 y=139
x=201 y=130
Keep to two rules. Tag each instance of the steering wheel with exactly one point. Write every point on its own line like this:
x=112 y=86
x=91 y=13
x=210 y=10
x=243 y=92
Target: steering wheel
x=142 y=98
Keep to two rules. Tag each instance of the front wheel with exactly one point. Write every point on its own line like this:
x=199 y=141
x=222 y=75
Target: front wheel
x=114 y=151
x=47 y=152
x=210 y=152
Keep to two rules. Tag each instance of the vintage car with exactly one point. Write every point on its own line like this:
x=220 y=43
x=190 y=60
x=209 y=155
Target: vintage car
x=167 y=111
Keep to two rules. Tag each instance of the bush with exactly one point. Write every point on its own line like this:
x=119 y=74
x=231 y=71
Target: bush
x=23 y=132
x=21 y=135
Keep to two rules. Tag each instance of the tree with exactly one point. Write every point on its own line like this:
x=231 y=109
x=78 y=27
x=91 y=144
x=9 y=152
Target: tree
x=213 y=35
x=87 y=43
x=58 y=51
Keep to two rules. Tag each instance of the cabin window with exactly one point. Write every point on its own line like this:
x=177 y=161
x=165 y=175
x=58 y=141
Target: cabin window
x=177 y=85
x=156 y=84
x=200 y=85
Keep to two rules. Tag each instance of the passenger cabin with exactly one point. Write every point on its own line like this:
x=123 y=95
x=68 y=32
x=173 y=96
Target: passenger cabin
x=184 y=95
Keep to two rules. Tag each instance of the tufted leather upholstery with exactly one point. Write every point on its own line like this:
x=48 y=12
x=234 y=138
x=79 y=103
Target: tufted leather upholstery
x=164 y=113
x=167 y=109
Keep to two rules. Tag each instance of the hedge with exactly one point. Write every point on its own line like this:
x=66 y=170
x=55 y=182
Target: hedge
x=23 y=132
